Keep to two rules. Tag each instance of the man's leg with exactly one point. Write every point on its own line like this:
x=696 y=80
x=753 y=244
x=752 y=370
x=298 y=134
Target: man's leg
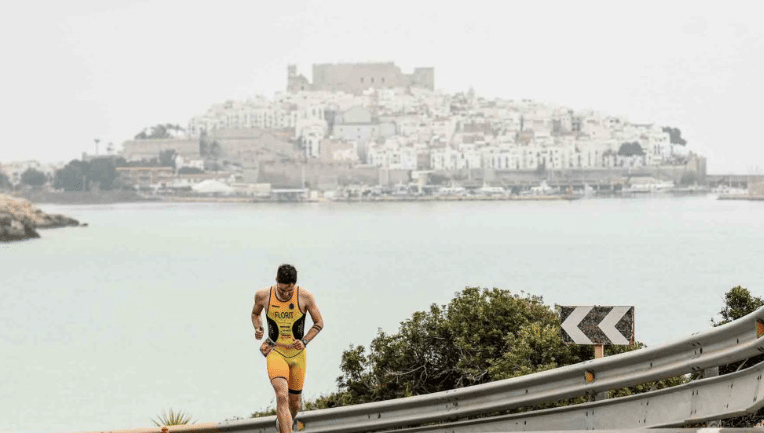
x=296 y=381
x=283 y=407
x=294 y=404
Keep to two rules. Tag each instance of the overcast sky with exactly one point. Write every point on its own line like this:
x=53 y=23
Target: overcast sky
x=85 y=69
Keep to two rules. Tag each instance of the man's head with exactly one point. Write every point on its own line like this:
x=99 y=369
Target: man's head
x=286 y=274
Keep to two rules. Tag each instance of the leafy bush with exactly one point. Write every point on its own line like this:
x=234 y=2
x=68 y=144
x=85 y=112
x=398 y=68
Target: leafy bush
x=33 y=177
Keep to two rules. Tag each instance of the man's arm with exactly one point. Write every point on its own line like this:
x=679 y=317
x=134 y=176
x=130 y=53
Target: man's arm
x=256 y=310
x=318 y=321
x=261 y=298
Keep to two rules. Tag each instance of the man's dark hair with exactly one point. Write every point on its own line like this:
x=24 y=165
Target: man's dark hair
x=286 y=274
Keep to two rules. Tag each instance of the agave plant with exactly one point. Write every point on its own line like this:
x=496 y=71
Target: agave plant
x=172 y=417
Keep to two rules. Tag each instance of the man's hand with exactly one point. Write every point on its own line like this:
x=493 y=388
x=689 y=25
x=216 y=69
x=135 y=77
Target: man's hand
x=297 y=344
x=259 y=333
x=265 y=348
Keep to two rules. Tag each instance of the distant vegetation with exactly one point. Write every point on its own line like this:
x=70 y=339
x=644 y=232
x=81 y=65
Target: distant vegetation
x=99 y=173
x=167 y=158
x=689 y=178
x=158 y=131
x=676 y=135
x=33 y=177
x=631 y=149
x=209 y=149
x=5 y=181
x=79 y=175
x=190 y=170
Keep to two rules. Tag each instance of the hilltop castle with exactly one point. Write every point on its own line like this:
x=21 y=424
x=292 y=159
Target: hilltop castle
x=354 y=78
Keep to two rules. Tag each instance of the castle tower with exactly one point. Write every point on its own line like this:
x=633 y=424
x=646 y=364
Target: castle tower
x=296 y=82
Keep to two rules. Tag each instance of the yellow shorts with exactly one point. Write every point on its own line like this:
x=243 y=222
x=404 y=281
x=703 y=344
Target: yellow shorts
x=290 y=368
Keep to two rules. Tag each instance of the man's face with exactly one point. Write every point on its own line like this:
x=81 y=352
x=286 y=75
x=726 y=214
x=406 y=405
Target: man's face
x=285 y=290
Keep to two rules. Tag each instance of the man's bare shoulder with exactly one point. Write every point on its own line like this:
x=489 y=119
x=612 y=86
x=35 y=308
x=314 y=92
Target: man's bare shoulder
x=262 y=294
x=307 y=294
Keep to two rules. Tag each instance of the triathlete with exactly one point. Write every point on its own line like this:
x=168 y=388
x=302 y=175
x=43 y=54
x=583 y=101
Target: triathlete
x=286 y=305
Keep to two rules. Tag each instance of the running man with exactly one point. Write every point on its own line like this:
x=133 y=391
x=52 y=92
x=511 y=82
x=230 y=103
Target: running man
x=286 y=305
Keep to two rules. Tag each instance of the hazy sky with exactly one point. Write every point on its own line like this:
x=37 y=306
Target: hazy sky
x=84 y=69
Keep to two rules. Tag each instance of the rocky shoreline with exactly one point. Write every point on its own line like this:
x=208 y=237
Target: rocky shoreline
x=20 y=220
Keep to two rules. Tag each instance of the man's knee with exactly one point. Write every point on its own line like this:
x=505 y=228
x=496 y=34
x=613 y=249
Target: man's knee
x=282 y=391
x=282 y=399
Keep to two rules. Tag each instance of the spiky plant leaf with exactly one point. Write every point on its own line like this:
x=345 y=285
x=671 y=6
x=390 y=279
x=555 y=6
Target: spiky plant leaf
x=171 y=417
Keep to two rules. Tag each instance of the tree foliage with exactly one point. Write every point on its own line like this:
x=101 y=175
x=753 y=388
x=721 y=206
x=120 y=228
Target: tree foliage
x=689 y=178
x=437 y=179
x=82 y=175
x=480 y=336
x=153 y=162
x=190 y=170
x=215 y=150
x=675 y=135
x=204 y=143
x=160 y=131
x=631 y=149
x=103 y=172
x=167 y=158
x=208 y=148
x=72 y=177
x=33 y=177
x=5 y=181
x=739 y=302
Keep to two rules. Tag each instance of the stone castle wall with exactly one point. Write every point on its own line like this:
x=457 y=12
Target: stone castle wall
x=357 y=77
x=328 y=176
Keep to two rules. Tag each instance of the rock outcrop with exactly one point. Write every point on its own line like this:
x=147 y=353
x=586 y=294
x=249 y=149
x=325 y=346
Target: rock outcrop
x=19 y=219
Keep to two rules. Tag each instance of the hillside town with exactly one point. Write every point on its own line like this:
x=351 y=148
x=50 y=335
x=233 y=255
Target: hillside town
x=369 y=130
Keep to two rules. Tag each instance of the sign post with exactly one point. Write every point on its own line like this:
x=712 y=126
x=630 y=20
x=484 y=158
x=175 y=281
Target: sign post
x=599 y=351
x=598 y=326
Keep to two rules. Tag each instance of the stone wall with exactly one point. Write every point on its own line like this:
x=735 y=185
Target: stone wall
x=316 y=175
x=253 y=145
x=136 y=150
x=756 y=189
x=357 y=77
x=591 y=175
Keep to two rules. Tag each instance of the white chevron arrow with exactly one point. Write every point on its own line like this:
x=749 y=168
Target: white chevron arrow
x=607 y=325
x=570 y=325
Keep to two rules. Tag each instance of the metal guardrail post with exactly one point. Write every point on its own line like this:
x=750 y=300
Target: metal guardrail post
x=599 y=353
x=712 y=372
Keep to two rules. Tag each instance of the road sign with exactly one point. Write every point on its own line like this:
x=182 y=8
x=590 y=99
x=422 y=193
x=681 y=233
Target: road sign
x=597 y=325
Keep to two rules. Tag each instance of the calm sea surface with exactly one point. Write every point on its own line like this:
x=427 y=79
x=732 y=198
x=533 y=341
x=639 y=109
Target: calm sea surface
x=148 y=308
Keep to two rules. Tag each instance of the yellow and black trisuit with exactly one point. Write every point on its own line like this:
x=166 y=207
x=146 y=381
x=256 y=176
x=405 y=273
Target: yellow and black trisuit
x=286 y=323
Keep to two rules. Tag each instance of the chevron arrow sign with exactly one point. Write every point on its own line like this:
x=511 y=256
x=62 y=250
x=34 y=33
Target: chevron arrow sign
x=597 y=325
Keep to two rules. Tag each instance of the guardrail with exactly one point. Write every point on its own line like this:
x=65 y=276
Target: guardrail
x=449 y=411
